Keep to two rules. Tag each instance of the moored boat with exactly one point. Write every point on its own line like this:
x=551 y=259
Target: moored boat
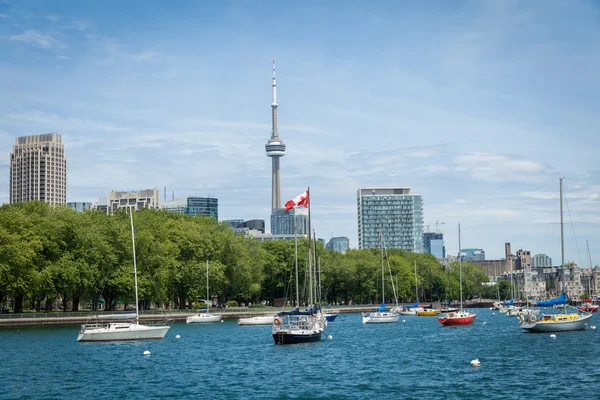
x=428 y=313
x=257 y=320
x=125 y=330
x=459 y=317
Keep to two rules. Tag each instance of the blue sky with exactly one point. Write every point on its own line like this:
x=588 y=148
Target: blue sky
x=478 y=106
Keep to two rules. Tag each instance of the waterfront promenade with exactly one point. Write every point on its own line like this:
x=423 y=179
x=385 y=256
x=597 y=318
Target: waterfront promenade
x=82 y=317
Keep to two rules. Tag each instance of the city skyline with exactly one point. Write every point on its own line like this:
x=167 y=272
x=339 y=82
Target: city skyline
x=479 y=107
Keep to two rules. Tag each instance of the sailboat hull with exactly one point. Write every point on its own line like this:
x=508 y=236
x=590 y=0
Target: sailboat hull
x=203 y=318
x=577 y=323
x=291 y=338
x=450 y=320
x=120 y=331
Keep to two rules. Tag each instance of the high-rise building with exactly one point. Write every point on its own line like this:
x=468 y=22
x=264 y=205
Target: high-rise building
x=433 y=243
x=541 y=260
x=79 y=206
x=472 y=255
x=208 y=206
x=38 y=169
x=143 y=199
x=339 y=244
x=294 y=221
x=394 y=213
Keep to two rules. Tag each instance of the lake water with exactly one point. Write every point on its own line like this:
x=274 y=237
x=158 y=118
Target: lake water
x=415 y=359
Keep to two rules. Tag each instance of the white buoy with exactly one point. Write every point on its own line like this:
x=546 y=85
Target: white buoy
x=593 y=326
x=177 y=336
x=403 y=320
x=475 y=363
x=493 y=313
x=484 y=322
x=553 y=336
x=147 y=352
x=329 y=337
x=222 y=321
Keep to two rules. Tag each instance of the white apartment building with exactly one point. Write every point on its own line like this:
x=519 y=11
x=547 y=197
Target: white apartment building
x=38 y=169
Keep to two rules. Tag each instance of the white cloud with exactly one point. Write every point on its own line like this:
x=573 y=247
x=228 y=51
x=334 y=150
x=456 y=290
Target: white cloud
x=37 y=38
x=497 y=167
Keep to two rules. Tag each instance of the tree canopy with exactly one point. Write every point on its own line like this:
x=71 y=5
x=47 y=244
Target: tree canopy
x=49 y=253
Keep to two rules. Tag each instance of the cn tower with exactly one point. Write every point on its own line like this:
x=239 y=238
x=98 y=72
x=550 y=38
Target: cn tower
x=275 y=149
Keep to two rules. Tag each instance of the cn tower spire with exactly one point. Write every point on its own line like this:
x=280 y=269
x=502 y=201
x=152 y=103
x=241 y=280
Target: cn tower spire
x=275 y=150
x=274 y=133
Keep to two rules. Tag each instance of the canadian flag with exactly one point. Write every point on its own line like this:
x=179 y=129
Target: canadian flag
x=299 y=201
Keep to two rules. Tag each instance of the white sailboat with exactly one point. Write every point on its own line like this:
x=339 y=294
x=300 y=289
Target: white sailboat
x=563 y=321
x=257 y=320
x=124 y=330
x=204 y=318
x=380 y=316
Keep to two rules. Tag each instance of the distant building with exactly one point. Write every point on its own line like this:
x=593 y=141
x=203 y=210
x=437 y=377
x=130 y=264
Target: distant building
x=523 y=259
x=239 y=225
x=233 y=223
x=541 y=260
x=208 y=206
x=38 y=169
x=472 y=255
x=79 y=206
x=137 y=200
x=290 y=222
x=433 y=243
x=395 y=213
x=254 y=224
x=101 y=205
x=339 y=244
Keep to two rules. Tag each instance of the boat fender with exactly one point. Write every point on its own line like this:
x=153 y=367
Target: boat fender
x=521 y=318
x=277 y=322
x=532 y=318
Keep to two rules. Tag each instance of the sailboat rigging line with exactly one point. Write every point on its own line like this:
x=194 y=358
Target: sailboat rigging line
x=573 y=229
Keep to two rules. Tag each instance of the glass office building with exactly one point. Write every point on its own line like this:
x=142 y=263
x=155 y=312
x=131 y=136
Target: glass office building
x=208 y=206
x=395 y=213
x=79 y=206
x=290 y=222
x=433 y=243
x=339 y=244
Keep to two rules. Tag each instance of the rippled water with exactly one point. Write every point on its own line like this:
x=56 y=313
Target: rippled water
x=415 y=359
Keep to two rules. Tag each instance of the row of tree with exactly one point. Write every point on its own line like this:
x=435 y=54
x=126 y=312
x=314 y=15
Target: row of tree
x=49 y=253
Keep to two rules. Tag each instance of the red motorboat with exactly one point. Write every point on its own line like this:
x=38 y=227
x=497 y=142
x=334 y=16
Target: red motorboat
x=457 y=318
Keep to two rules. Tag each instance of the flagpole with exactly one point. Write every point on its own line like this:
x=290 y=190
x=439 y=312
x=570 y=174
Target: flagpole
x=310 y=287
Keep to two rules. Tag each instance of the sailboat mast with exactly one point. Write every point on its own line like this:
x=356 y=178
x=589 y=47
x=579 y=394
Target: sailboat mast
x=562 y=240
x=416 y=289
x=310 y=285
x=460 y=267
x=296 y=259
x=207 y=295
x=137 y=314
x=382 y=275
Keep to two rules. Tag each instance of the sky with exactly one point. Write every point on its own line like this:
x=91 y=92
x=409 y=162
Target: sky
x=478 y=106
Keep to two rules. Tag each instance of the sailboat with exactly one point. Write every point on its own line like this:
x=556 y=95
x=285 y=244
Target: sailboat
x=124 y=330
x=204 y=318
x=380 y=316
x=294 y=327
x=459 y=317
x=413 y=309
x=564 y=321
